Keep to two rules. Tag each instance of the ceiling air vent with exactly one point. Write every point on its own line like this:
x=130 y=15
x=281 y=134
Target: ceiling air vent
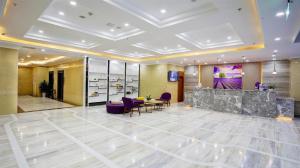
x=2 y=6
x=297 y=39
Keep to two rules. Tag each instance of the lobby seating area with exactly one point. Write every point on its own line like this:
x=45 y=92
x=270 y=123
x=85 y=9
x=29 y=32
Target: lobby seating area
x=130 y=105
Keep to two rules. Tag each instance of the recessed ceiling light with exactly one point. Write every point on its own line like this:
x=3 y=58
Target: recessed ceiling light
x=41 y=31
x=280 y=14
x=163 y=11
x=28 y=56
x=275 y=51
x=208 y=41
x=229 y=37
x=126 y=24
x=43 y=50
x=73 y=3
x=112 y=30
x=277 y=39
x=83 y=41
x=61 y=13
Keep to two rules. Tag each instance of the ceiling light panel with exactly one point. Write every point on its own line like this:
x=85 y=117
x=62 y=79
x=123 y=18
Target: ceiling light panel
x=220 y=36
x=161 y=48
x=169 y=14
x=91 y=17
x=129 y=54
x=60 y=36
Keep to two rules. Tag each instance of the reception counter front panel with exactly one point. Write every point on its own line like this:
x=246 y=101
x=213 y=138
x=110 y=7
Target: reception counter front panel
x=256 y=103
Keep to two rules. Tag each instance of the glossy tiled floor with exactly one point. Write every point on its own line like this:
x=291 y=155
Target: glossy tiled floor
x=29 y=103
x=177 y=137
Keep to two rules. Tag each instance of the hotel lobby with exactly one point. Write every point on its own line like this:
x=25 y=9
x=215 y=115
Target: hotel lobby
x=150 y=84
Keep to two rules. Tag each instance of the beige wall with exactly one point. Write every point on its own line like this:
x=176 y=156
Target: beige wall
x=73 y=81
x=206 y=77
x=154 y=80
x=252 y=75
x=25 y=82
x=295 y=79
x=8 y=81
x=39 y=74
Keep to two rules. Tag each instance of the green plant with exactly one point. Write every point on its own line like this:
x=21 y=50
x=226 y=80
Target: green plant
x=148 y=97
x=222 y=75
x=44 y=87
x=271 y=86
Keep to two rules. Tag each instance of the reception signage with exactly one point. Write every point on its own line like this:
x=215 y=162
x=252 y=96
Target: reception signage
x=228 y=76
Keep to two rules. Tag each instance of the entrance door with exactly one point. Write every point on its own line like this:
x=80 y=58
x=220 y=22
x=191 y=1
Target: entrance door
x=180 y=87
x=60 y=85
x=51 y=84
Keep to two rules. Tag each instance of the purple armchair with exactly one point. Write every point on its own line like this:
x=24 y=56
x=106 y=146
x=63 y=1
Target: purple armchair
x=130 y=105
x=114 y=108
x=166 y=98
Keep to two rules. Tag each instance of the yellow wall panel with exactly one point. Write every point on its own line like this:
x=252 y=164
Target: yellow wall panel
x=8 y=81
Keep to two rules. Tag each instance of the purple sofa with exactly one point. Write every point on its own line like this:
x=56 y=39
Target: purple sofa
x=114 y=108
x=130 y=104
x=166 y=98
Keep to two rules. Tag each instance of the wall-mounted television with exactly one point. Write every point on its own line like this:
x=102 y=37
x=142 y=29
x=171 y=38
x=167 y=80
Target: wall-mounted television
x=173 y=76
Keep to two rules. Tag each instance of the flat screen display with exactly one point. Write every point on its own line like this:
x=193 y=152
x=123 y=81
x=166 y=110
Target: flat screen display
x=173 y=76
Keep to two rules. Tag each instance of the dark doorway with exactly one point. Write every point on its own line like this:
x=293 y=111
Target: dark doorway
x=60 y=85
x=180 y=86
x=51 y=84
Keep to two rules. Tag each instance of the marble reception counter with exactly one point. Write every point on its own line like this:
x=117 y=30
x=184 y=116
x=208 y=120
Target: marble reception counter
x=254 y=102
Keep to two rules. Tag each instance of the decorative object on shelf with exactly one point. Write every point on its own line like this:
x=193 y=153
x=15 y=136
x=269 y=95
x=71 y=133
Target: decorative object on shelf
x=257 y=84
x=44 y=88
x=140 y=98
x=148 y=97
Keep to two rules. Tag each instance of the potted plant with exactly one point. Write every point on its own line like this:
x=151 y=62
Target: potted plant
x=148 y=97
x=44 y=88
x=271 y=87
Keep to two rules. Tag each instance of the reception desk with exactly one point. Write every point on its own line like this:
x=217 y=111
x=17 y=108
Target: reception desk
x=253 y=102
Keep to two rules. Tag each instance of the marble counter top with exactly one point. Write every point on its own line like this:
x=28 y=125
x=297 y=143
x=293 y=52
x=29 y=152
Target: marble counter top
x=248 y=102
